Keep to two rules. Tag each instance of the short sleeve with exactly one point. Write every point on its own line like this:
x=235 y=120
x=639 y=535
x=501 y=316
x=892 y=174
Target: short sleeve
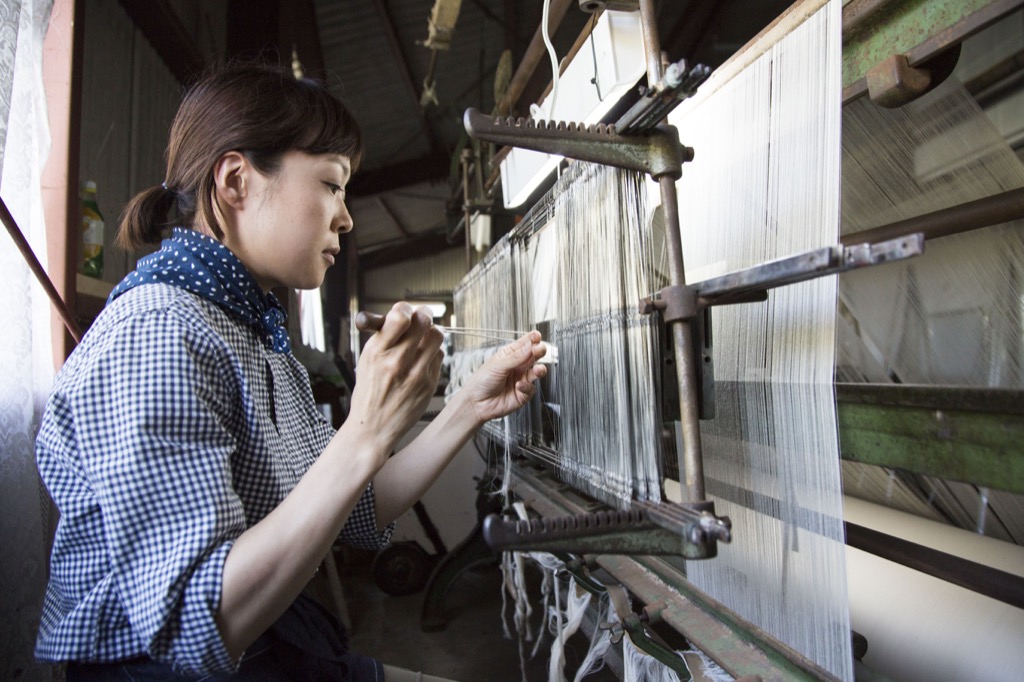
x=360 y=530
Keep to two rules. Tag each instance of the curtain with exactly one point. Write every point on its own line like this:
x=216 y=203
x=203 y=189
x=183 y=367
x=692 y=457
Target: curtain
x=26 y=365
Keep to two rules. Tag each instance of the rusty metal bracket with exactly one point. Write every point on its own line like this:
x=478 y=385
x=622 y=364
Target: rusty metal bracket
x=894 y=82
x=678 y=83
x=657 y=152
x=642 y=637
x=580 y=570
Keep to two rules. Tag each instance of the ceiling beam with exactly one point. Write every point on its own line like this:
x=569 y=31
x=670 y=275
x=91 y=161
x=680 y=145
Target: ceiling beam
x=427 y=168
x=162 y=28
x=535 y=52
x=271 y=29
x=391 y=214
x=420 y=246
x=410 y=85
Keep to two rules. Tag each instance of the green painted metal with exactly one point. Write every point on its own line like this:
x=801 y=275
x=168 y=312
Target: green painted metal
x=916 y=28
x=738 y=646
x=970 y=435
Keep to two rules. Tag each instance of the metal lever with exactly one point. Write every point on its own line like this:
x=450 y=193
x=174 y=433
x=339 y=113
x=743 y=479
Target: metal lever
x=657 y=151
x=742 y=286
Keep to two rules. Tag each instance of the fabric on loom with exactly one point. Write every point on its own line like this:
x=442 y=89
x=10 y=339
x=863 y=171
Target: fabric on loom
x=204 y=266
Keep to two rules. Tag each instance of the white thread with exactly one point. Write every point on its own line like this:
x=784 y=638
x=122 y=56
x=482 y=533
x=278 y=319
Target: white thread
x=600 y=642
x=566 y=625
x=765 y=184
x=638 y=666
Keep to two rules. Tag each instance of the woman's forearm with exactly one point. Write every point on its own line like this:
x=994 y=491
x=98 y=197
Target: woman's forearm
x=271 y=562
x=412 y=470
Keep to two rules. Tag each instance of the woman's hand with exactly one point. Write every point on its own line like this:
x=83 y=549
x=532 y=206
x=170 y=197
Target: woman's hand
x=397 y=374
x=504 y=383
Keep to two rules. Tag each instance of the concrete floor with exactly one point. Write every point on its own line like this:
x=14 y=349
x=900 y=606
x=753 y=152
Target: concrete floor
x=472 y=648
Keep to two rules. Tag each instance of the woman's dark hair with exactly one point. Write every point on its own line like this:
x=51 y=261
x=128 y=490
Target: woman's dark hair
x=259 y=110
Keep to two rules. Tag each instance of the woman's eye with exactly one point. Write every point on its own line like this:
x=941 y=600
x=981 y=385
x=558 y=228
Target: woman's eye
x=333 y=187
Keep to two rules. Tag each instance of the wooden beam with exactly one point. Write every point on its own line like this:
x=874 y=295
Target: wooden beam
x=527 y=73
x=62 y=79
x=410 y=86
x=391 y=214
x=435 y=166
x=161 y=26
x=418 y=247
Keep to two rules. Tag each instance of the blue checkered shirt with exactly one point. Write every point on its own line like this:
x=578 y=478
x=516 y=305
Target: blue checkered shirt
x=170 y=430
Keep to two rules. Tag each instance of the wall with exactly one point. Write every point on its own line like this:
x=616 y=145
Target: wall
x=440 y=273
x=129 y=98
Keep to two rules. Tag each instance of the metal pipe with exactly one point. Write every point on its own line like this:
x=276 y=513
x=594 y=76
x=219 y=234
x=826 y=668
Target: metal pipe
x=691 y=459
x=37 y=269
x=652 y=42
x=991 y=582
x=466 y=156
x=992 y=210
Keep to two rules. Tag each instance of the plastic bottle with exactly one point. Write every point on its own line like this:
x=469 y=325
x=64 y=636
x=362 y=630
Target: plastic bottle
x=92 y=232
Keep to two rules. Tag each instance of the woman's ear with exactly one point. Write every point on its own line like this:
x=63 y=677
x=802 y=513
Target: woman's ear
x=231 y=180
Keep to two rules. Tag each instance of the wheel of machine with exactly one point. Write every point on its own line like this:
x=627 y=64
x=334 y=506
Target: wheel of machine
x=402 y=568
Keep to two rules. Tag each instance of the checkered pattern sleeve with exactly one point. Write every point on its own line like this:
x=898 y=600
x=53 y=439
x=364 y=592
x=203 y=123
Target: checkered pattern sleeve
x=153 y=408
x=360 y=530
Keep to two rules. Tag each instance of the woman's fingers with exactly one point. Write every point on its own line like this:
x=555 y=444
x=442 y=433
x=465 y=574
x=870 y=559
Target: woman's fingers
x=399 y=369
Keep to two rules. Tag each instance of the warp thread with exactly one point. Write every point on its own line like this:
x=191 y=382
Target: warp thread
x=578 y=264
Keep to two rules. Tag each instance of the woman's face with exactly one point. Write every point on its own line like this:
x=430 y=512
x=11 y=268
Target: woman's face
x=289 y=233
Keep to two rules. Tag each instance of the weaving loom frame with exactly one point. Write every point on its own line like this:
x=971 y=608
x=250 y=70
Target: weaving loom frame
x=984 y=12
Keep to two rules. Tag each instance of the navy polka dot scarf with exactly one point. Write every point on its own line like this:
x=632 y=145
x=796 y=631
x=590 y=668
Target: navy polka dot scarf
x=206 y=267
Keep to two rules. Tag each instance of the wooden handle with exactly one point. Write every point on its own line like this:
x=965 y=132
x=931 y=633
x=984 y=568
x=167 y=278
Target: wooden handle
x=369 y=322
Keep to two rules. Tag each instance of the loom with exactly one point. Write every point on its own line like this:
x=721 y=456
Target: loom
x=680 y=403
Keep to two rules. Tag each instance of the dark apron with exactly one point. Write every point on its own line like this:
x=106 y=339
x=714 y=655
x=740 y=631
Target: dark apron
x=306 y=643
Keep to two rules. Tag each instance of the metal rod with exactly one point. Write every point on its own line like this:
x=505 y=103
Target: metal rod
x=39 y=272
x=691 y=459
x=991 y=582
x=465 y=210
x=991 y=210
x=652 y=42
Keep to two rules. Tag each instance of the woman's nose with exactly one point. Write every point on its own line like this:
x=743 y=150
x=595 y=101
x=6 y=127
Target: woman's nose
x=343 y=221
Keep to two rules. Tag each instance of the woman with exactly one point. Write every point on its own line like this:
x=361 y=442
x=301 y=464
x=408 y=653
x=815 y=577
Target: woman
x=198 y=486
